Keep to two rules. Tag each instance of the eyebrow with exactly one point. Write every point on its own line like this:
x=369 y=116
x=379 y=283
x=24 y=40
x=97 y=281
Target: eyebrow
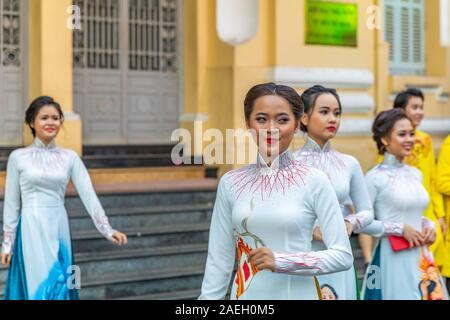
x=327 y=107
x=279 y=114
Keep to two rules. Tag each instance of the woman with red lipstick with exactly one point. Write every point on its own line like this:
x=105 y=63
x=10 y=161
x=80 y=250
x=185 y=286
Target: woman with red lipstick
x=36 y=243
x=321 y=122
x=266 y=212
x=402 y=265
x=412 y=101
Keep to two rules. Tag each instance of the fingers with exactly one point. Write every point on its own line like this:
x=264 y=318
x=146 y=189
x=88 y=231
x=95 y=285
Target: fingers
x=418 y=239
x=119 y=238
x=262 y=258
x=427 y=235
x=6 y=260
x=417 y=243
x=415 y=238
x=349 y=229
x=257 y=253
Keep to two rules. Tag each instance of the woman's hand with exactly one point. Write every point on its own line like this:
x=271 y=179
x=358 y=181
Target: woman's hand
x=429 y=236
x=6 y=259
x=119 y=238
x=263 y=259
x=414 y=237
x=349 y=228
x=317 y=235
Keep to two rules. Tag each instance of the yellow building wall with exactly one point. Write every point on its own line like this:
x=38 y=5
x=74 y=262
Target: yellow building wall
x=219 y=75
x=50 y=65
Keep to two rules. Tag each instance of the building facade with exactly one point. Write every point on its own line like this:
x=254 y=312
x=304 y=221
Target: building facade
x=133 y=71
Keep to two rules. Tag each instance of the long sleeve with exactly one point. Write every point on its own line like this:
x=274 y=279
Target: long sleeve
x=12 y=203
x=221 y=249
x=83 y=184
x=338 y=255
x=443 y=169
x=361 y=200
x=379 y=228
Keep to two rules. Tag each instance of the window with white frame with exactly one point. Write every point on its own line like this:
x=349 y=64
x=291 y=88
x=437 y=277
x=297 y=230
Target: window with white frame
x=405 y=32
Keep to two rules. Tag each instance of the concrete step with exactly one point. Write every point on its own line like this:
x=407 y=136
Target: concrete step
x=178 y=295
x=92 y=241
x=154 y=281
x=144 y=216
x=139 y=260
x=127 y=156
x=144 y=194
x=98 y=264
x=138 y=217
x=145 y=199
x=4 y=154
x=149 y=282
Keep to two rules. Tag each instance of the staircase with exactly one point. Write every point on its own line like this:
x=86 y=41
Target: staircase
x=167 y=227
x=359 y=259
x=4 y=153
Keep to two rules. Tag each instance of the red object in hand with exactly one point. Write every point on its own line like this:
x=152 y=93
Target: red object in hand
x=398 y=243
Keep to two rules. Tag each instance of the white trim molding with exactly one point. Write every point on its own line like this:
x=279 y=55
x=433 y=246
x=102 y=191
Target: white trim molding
x=440 y=126
x=359 y=103
x=71 y=116
x=330 y=77
x=363 y=127
x=355 y=127
x=445 y=22
x=192 y=117
x=237 y=20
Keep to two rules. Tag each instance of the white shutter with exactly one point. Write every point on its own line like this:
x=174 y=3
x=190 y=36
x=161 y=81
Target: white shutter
x=389 y=29
x=404 y=31
x=405 y=27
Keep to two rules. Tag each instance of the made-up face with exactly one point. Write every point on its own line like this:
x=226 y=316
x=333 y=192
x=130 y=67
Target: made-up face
x=328 y=294
x=400 y=142
x=415 y=110
x=47 y=124
x=324 y=119
x=273 y=123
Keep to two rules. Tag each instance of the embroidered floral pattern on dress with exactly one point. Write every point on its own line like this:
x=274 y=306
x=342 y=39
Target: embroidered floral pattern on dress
x=397 y=173
x=45 y=157
x=101 y=222
x=393 y=228
x=9 y=237
x=292 y=262
x=285 y=173
x=325 y=159
x=428 y=224
x=357 y=221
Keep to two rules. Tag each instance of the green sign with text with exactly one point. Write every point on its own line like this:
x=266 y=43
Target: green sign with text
x=331 y=23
